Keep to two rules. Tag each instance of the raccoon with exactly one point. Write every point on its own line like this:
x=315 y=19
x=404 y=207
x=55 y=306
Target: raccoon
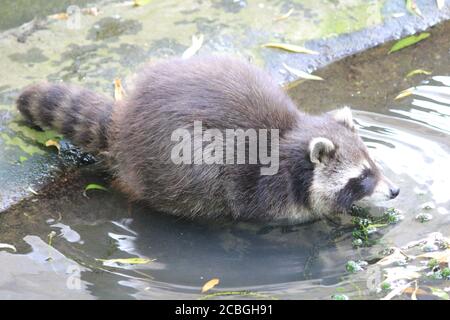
x=324 y=166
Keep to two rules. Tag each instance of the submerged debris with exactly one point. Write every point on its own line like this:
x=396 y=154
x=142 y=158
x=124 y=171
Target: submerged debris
x=366 y=225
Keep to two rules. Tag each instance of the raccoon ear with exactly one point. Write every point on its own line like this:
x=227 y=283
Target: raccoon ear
x=320 y=150
x=345 y=117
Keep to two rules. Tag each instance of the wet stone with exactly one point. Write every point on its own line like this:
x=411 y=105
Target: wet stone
x=112 y=27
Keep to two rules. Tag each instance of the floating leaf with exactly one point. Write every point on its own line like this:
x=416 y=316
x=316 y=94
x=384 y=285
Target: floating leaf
x=7 y=246
x=414 y=292
x=22 y=159
x=139 y=3
x=301 y=74
x=244 y=293
x=197 y=43
x=412 y=7
x=440 y=4
x=119 y=93
x=404 y=93
x=126 y=261
x=408 y=41
x=53 y=143
x=289 y=47
x=210 y=284
x=284 y=16
x=418 y=71
x=440 y=293
x=439 y=256
x=59 y=16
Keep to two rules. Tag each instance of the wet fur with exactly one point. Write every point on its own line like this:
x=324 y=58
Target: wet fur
x=223 y=93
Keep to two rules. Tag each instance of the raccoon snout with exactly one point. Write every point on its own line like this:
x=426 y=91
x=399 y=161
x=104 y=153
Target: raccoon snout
x=394 y=191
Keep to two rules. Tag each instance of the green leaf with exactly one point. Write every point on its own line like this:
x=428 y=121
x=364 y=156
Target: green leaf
x=126 y=261
x=93 y=186
x=409 y=41
x=289 y=47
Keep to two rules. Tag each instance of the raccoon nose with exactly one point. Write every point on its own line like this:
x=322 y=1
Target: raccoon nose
x=394 y=192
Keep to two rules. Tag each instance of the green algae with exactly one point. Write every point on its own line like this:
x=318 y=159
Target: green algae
x=34 y=135
x=22 y=144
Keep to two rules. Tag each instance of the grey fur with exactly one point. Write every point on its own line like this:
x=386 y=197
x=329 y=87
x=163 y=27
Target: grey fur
x=224 y=93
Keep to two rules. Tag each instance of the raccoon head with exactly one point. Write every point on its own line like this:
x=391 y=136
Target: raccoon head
x=344 y=172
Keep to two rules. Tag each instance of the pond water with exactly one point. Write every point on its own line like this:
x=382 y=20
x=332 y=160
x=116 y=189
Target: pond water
x=63 y=236
x=14 y=13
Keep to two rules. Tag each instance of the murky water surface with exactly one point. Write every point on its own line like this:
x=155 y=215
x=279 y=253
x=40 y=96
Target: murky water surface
x=62 y=236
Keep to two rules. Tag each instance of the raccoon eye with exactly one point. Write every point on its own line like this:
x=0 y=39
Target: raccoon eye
x=364 y=174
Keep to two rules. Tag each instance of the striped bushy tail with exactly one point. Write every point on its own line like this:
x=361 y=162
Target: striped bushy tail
x=81 y=115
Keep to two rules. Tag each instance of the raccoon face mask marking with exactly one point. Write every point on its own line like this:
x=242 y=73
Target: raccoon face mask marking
x=344 y=173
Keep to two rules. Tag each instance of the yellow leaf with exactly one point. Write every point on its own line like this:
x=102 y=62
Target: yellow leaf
x=301 y=74
x=210 y=284
x=93 y=11
x=119 y=93
x=284 y=16
x=404 y=93
x=440 y=256
x=197 y=43
x=418 y=71
x=138 y=3
x=53 y=143
x=59 y=16
x=289 y=47
x=126 y=261
x=414 y=292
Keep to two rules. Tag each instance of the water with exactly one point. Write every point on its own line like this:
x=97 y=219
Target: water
x=14 y=13
x=60 y=234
